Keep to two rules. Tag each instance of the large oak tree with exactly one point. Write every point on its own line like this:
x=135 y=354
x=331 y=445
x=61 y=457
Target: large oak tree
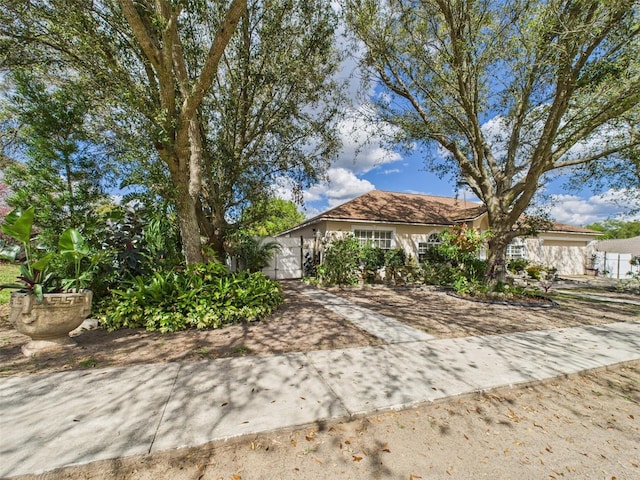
x=136 y=54
x=509 y=91
x=232 y=95
x=272 y=114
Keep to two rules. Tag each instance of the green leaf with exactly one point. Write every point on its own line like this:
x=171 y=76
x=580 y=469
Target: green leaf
x=41 y=264
x=13 y=215
x=37 y=291
x=18 y=224
x=72 y=243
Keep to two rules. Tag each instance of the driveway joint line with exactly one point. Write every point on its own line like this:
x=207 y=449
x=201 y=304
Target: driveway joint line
x=164 y=408
x=326 y=384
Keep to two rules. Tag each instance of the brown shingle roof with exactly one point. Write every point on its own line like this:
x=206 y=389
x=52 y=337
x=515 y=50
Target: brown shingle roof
x=393 y=207
x=563 y=227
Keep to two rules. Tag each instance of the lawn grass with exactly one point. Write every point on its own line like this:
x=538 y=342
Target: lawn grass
x=8 y=274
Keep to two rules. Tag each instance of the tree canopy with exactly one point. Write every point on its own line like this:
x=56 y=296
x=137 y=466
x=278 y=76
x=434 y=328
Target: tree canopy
x=63 y=175
x=153 y=60
x=228 y=96
x=271 y=217
x=617 y=228
x=510 y=92
x=273 y=113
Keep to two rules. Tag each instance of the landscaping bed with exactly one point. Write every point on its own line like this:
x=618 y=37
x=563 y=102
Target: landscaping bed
x=436 y=312
x=303 y=325
x=297 y=326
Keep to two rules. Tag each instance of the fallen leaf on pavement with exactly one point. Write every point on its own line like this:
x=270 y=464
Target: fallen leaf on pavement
x=513 y=417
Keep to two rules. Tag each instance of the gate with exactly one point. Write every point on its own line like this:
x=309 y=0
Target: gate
x=288 y=263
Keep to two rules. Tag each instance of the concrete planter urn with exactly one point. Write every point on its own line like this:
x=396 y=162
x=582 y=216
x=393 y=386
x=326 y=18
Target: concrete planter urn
x=49 y=322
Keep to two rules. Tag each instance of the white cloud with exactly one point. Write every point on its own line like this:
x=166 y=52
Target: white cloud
x=342 y=185
x=575 y=210
x=390 y=171
x=361 y=148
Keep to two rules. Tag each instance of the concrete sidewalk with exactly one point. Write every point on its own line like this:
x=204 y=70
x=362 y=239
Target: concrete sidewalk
x=49 y=421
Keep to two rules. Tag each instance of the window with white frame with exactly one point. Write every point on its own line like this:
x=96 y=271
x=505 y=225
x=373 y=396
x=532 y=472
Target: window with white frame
x=433 y=241
x=516 y=249
x=377 y=238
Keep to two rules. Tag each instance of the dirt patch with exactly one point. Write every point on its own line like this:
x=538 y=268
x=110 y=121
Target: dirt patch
x=444 y=316
x=584 y=426
x=299 y=325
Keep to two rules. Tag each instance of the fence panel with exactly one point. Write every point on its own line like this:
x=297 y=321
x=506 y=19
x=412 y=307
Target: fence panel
x=615 y=265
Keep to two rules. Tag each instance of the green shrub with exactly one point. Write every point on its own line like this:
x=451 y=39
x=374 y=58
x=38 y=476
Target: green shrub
x=518 y=265
x=464 y=286
x=203 y=296
x=372 y=260
x=394 y=260
x=455 y=261
x=253 y=254
x=341 y=262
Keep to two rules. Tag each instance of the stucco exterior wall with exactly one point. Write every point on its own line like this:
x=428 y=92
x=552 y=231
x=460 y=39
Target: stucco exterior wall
x=406 y=237
x=569 y=256
x=566 y=252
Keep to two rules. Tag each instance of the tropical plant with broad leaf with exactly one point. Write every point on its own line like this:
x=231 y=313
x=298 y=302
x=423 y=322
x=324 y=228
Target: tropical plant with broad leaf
x=45 y=273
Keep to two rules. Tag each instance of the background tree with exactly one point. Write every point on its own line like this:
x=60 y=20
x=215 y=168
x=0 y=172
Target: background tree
x=617 y=228
x=509 y=91
x=270 y=217
x=62 y=174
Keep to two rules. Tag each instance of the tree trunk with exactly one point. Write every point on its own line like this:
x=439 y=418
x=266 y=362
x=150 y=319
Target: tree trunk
x=496 y=256
x=189 y=229
x=216 y=242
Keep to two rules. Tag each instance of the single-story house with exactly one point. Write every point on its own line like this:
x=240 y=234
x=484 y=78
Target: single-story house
x=413 y=222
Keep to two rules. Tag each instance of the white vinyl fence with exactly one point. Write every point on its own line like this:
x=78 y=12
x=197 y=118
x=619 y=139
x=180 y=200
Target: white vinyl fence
x=615 y=265
x=288 y=263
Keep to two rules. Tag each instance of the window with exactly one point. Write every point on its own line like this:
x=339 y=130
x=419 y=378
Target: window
x=516 y=249
x=434 y=240
x=377 y=238
x=423 y=247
